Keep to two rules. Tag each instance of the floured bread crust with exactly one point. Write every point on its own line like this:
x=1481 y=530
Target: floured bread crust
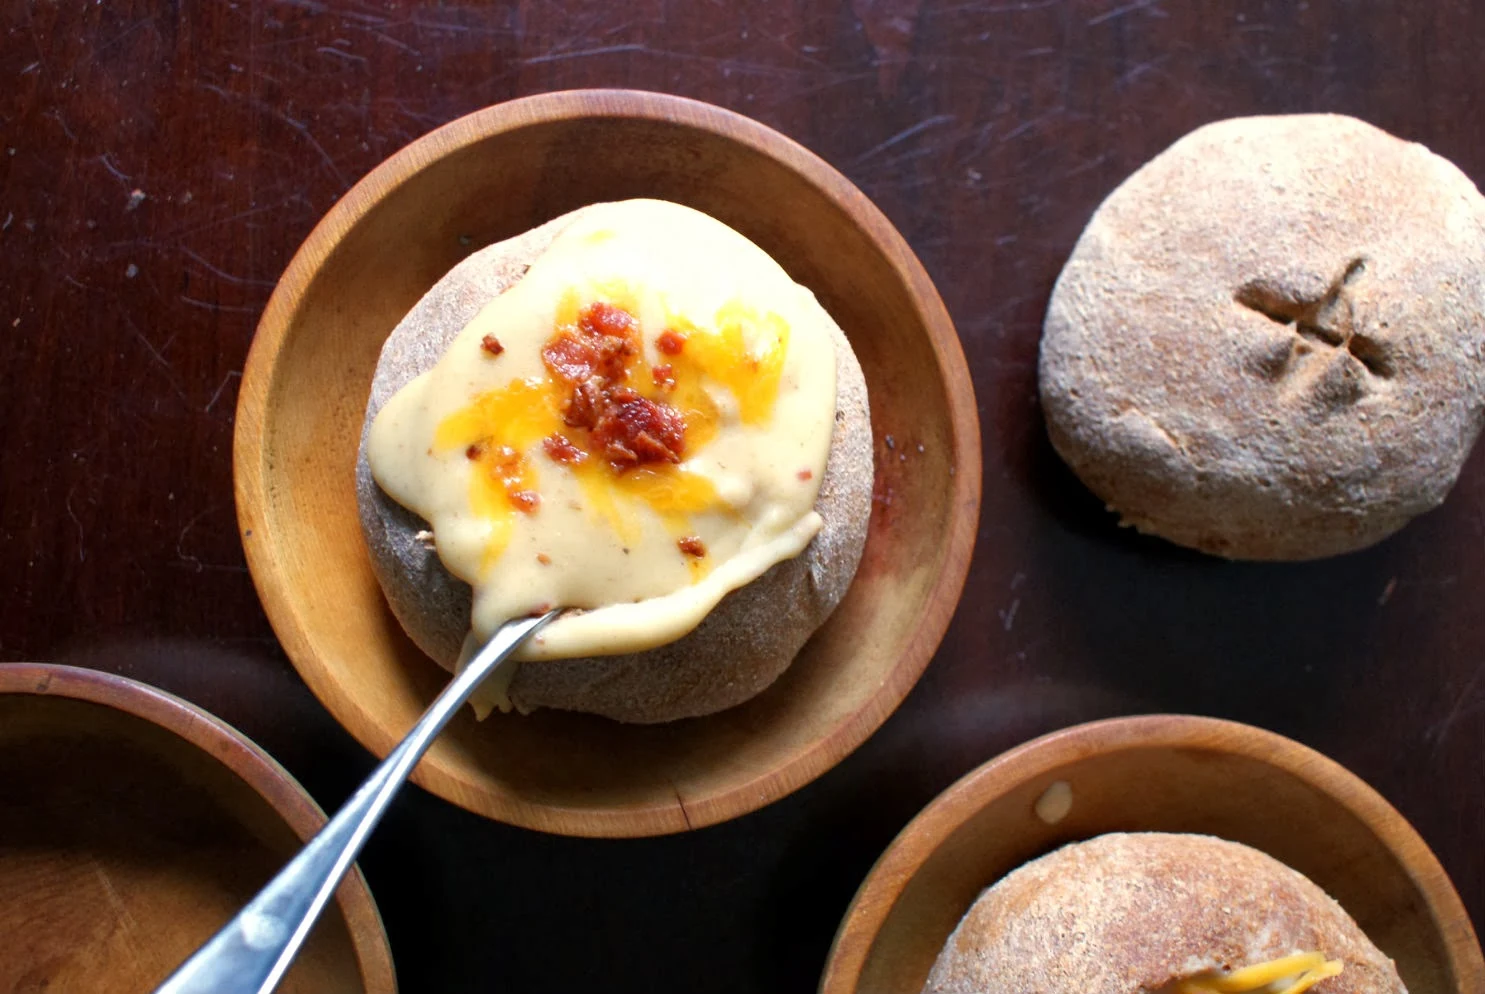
x=1269 y=342
x=741 y=647
x=1130 y=913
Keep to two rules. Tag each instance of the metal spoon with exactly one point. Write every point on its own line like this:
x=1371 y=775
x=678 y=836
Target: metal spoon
x=252 y=952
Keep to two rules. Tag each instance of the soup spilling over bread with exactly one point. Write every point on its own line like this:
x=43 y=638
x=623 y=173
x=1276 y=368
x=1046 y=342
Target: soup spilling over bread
x=635 y=428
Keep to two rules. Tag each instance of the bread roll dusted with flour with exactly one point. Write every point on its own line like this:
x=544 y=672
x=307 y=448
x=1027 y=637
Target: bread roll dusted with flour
x=1269 y=342
x=1155 y=913
x=633 y=412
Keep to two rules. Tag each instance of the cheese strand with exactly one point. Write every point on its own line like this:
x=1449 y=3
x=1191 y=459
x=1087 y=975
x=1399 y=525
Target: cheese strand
x=1301 y=970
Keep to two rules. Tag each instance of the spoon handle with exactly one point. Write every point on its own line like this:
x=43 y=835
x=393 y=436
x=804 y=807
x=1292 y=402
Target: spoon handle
x=252 y=951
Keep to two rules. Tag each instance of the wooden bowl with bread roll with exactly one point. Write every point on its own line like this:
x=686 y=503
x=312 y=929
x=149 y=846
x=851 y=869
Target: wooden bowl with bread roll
x=338 y=565
x=1012 y=841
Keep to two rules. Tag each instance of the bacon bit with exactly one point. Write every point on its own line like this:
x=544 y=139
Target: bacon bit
x=593 y=357
x=691 y=546
x=544 y=559
x=606 y=319
x=670 y=343
x=581 y=407
x=568 y=358
x=633 y=429
x=491 y=345
x=664 y=376
x=539 y=610
x=613 y=354
x=475 y=451
x=526 y=501
x=560 y=450
x=805 y=474
x=577 y=357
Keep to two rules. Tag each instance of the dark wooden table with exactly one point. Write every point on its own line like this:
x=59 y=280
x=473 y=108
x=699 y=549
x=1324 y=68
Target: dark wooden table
x=162 y=162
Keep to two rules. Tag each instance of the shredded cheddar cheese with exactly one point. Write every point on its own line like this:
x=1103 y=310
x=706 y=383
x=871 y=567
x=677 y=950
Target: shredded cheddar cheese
x=1286 y=975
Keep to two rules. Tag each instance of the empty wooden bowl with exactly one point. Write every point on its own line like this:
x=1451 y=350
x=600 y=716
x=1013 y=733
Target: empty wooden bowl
x=495 y=174
x=132 y=826
x=1165 y=773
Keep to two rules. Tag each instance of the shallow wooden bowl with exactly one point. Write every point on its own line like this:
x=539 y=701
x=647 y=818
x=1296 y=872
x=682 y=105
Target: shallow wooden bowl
x=495 y=174
x=1167 y=773
x=132 y=826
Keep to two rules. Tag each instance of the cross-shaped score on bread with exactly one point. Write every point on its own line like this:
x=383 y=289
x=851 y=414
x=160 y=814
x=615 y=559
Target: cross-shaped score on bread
x=1327 y=320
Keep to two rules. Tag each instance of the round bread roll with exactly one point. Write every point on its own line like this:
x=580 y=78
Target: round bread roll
x=741 y=647
x=1268 y=342
x=1133 y=913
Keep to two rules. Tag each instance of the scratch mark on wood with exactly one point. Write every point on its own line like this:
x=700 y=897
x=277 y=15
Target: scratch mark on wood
x=1458 y=710
x=215 y=308
x=347 y=56
x=118 y=173
x=152 y=351
x=383 y=36
x=122 y=35
x=455 y=28
x=238 y=216
x=120 y=907
x=1087 y=166
x=903 y=135
x=584 y=53
x=1023 y=7
x=263 y=107
x=1129 y=8
x=56 y=115
x=223 y=274
x=1030 y=125
x=180 y=540
x=234 y=374
x=82 y=552
x=1139 y=70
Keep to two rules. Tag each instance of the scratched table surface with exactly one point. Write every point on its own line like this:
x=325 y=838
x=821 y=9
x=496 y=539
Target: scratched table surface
x=162 y=163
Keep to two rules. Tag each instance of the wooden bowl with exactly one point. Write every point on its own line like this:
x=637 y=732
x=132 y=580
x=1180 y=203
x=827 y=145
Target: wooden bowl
x=133 y=825
x=487 y=177
x=1167 y=773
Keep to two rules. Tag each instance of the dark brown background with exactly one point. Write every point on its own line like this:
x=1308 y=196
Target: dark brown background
x=988 y=131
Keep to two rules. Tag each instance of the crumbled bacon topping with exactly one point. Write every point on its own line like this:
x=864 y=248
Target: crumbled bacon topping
x=592 y=357
x=664 y=376
x=491 y=345
x=805 y=474
x=559 y=449
x=525 y=500
x=691 y=545
x=632 y=429
x=670 y=343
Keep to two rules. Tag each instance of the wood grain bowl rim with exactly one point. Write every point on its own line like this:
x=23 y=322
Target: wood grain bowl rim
x=243 y=757
x=250 y=474
x=946 y=814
